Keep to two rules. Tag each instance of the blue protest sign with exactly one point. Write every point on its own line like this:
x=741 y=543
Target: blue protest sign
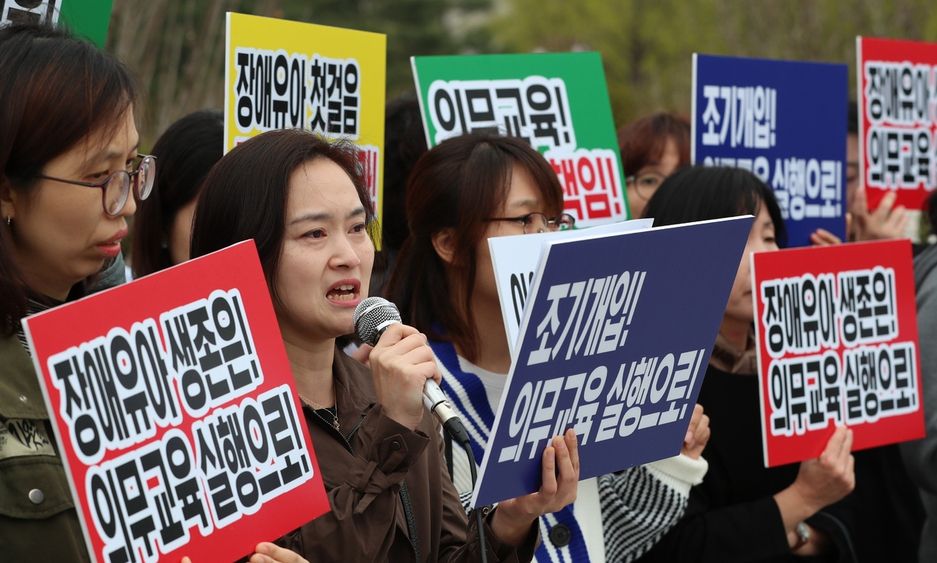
x=614 y=344
x=515 y=259
x=786 y=122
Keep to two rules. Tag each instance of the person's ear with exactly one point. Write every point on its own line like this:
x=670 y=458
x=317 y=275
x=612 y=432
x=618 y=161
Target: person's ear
x=444 y=244
x=7 y=207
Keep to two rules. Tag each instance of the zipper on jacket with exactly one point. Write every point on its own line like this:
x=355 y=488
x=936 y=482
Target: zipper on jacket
x=411 y=521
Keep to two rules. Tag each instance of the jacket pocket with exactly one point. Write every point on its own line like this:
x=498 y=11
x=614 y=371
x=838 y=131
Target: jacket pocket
x=33 y=487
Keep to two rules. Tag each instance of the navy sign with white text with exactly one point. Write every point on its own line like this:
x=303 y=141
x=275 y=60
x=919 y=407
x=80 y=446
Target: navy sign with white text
x=614 y=343
x=785 y=122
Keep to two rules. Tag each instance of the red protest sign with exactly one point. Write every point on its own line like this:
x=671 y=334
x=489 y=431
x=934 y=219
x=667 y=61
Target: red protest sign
x=836 y=330
x=175 y=413
x=898 y=121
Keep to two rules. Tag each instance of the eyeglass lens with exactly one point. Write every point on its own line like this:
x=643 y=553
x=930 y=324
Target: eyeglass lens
x=117 y=190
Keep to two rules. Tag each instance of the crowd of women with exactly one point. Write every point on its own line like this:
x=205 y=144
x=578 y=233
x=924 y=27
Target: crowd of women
x=72 y=176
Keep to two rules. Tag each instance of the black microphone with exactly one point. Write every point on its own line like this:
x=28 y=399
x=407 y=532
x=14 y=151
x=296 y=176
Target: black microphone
x=372 y=317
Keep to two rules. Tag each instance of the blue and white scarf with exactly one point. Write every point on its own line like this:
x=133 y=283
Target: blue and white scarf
x=467 y=394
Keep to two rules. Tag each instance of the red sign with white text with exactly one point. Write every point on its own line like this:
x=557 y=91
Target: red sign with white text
x=175 y=413
x=898 y=119
x=836 y=332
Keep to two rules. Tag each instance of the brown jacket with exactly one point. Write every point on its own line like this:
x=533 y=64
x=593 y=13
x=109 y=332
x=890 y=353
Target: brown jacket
x=371 y=468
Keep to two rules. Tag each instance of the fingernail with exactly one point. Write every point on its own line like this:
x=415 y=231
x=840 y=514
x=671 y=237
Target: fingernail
x=688 y=438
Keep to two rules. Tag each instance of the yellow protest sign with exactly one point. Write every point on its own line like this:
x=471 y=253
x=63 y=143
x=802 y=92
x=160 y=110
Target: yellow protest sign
x=282 y=74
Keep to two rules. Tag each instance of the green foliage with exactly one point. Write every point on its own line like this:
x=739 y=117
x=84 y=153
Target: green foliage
x=176 y=47
x=647 y=46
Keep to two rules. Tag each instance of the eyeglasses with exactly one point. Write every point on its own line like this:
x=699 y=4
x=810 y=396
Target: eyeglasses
x=115 y=189
x=646 y=184
x=537 y=222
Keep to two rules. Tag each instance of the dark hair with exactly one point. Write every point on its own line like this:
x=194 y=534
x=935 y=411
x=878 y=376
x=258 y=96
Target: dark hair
x=643 y=141
x=55 y=91
x=245 y=194
x=457 y=185
x=404 y=144
x=699 y=193
x=185 y=153
x=852 y=118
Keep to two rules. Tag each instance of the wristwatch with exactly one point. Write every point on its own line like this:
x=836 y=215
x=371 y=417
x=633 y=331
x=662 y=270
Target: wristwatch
x=803 y=535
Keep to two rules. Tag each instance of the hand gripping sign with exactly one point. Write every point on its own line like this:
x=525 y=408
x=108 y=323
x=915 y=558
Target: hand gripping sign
x=613 y=343
x=837 y=345
x=175 y=413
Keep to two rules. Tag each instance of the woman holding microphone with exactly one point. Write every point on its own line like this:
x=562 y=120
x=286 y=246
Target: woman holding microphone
x=304 y=203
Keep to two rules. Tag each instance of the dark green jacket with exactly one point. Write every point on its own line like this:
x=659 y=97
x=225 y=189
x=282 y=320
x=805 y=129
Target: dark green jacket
x=38 y=521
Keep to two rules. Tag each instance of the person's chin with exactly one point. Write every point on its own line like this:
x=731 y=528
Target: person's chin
x=92 y=265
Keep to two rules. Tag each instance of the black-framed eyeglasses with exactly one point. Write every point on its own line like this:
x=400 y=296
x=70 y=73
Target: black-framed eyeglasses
x=645 y=184
x=537 y=222
x=115 y=189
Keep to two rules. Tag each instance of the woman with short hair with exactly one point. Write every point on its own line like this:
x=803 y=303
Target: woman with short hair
x=304 y=202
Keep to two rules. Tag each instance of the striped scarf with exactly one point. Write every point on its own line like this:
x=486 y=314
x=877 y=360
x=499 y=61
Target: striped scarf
x=467 y=394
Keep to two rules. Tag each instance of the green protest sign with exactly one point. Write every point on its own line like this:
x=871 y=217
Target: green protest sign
x=86 y=18
x=558 y=102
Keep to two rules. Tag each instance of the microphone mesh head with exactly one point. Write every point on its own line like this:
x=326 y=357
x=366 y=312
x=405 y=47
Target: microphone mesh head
x=372 y=316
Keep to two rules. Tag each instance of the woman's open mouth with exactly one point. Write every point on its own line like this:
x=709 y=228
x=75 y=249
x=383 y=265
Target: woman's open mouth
x=346 y=293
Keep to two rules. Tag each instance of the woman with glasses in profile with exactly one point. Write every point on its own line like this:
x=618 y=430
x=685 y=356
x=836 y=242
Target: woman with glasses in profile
x=459 y=194
x=70 y=176
x=652 y=148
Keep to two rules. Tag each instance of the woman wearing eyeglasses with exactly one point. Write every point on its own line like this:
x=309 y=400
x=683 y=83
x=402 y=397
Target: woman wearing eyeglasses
x=70 y=176
x=652 y=148
x=461 y=193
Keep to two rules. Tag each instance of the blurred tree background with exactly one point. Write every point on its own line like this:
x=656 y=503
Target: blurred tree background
x=176 y=47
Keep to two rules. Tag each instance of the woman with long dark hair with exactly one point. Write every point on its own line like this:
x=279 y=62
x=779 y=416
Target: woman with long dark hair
x=461 y=193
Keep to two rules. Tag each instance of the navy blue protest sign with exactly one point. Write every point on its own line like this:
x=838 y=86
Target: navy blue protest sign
x=615 y=340
x=784 y=121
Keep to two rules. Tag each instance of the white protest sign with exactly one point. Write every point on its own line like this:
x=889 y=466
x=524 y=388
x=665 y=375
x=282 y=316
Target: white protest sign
x=516 y=258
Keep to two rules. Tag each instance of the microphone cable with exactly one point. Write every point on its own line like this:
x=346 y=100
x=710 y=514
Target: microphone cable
x=460 y=436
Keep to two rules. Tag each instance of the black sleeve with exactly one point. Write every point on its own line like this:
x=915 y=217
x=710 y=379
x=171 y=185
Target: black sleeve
x=748 y=531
